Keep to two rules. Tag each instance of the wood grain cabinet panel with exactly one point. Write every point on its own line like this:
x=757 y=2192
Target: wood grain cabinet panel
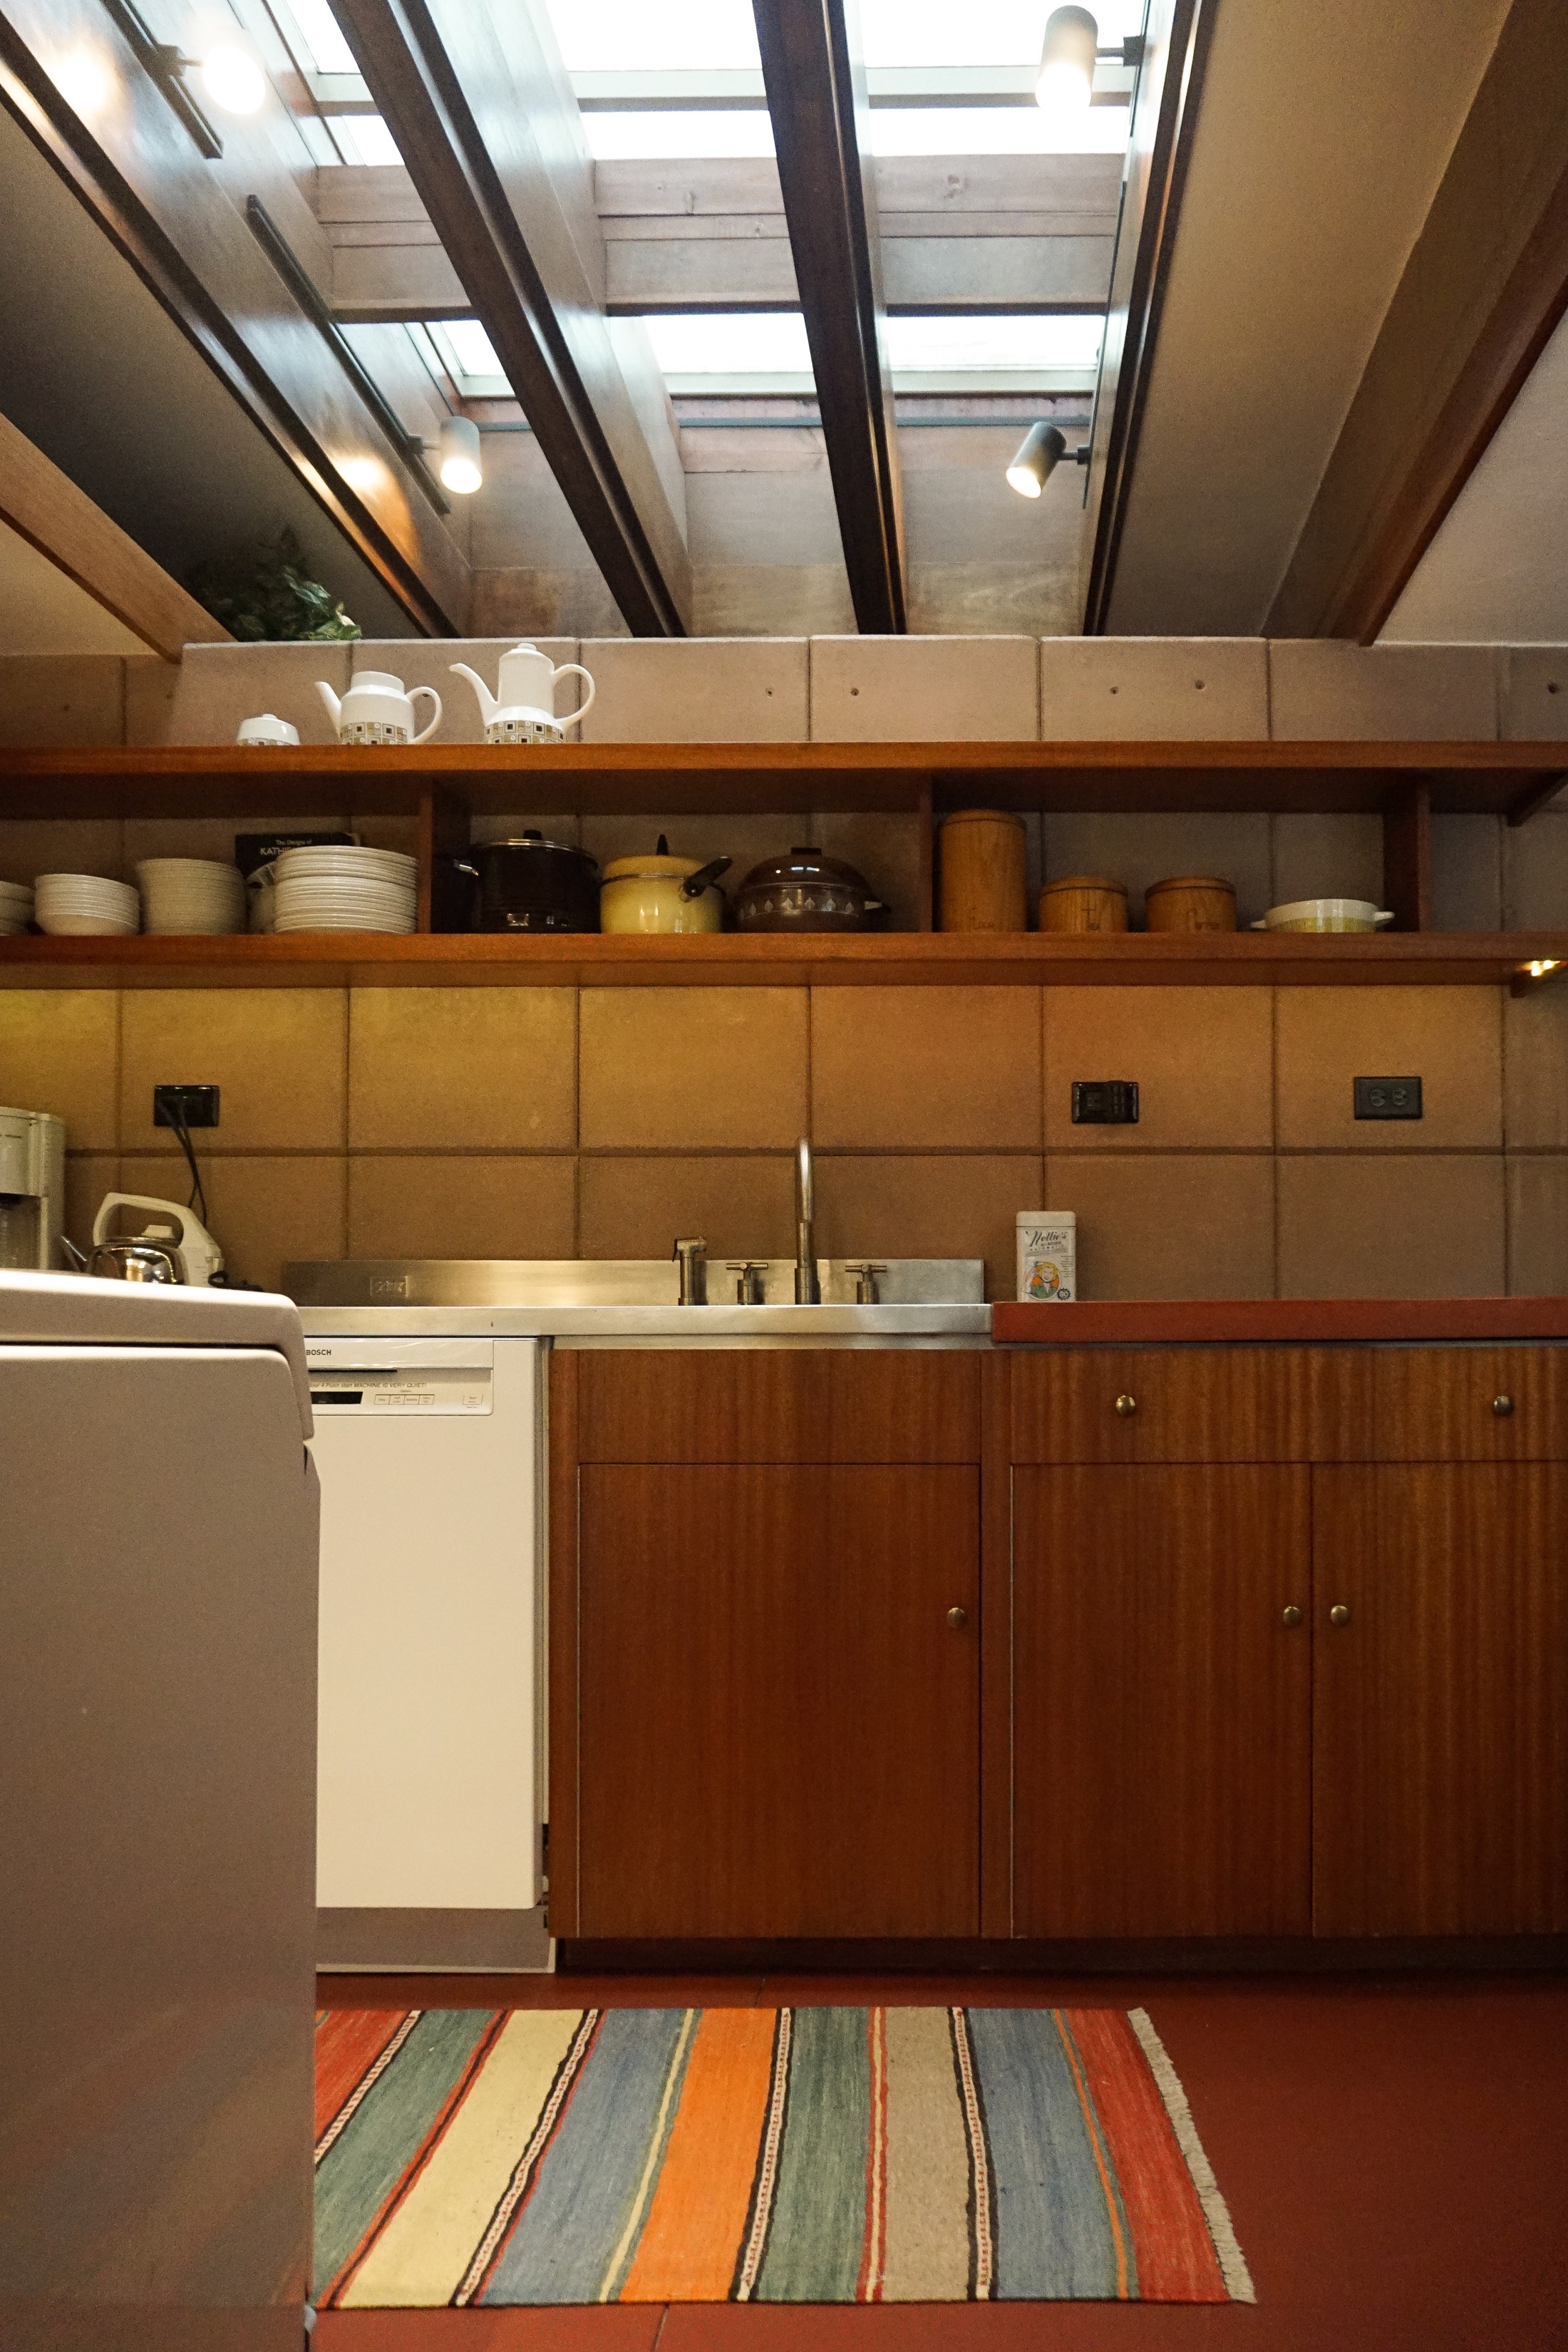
x=779 y=1727
x=768 y=1404
x=1440 y=1726
x=1186 y=1405
x=1162 y=1704
x=1468 y=1405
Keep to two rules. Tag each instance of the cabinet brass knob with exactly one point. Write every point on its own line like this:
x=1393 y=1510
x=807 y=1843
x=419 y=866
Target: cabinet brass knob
x=1126 y=1404
x=1502 y=1406
x=1339 y=1614
x=1292 y=1615
x=957 y=1617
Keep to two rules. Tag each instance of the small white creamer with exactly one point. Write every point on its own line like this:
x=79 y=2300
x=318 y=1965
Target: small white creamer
x=1047 y=1256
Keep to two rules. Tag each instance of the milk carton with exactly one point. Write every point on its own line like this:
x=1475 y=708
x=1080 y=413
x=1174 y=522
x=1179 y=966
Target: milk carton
x=1047 y=1256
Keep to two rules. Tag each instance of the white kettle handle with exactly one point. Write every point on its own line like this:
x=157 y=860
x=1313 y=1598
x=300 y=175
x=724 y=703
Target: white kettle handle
x=413 y=694
x=575 y=669
x=166 y=1211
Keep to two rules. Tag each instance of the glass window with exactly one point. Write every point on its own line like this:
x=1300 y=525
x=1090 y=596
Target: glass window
x=678 y=134
x=654 y=35
x=323 y=37
x=981 y=32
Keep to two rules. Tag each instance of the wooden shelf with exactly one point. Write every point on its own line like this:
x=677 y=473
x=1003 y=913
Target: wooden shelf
x=658 y=779
x=371 y=960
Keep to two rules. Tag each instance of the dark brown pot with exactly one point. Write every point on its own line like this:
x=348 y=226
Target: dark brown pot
x=530 y=884
x=806 y=892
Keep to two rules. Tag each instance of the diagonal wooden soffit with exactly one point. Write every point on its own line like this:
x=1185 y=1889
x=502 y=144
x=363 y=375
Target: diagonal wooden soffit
x=487 y=125
x=815 y=86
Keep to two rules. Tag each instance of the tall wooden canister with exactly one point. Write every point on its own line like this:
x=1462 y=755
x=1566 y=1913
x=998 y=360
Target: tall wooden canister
x=982 y=885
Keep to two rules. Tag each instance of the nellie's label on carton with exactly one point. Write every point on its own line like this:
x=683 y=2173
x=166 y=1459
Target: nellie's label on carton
x=1047 y=1256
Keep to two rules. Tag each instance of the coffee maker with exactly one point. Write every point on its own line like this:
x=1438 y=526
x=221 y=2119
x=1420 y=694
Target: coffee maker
x=32 y=1189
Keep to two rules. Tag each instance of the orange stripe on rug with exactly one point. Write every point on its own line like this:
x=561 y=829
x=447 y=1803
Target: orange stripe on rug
x=698 y=2216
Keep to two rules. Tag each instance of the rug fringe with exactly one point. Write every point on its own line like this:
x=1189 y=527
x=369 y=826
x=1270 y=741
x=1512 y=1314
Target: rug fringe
x=1216 y=2214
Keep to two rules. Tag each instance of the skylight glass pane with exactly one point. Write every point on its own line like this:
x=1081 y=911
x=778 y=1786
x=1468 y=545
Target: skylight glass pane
x=943 y=346
x=366 y=139
x=751 y=342
x=466 y=343
x=978 y=33
x=653 y=35
x=320 y=30
x=719 y=131
x=995 y=131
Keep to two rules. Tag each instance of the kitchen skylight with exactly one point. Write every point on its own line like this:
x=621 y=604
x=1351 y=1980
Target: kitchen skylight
x=323 y=36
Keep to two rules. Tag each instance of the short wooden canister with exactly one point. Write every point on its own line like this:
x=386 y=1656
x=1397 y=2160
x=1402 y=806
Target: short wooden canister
x=981 y=884
x=1083 y=902
x=1193 y=902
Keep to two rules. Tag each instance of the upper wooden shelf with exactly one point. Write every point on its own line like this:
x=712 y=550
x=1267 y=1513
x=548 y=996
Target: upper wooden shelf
x=1028 y=959
x=1492 y=779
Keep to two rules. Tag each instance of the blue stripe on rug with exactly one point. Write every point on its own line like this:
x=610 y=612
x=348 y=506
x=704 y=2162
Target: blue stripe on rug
x=565 y=2240
x=1053 y=2235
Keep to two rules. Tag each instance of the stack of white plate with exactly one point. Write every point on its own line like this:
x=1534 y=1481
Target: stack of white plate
x=190 y=894
x=86 y=907
x=333 y=888
x=16 y=908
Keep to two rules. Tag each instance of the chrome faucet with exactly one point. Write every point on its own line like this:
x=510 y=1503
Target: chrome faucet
x=807 y=1287
x=692 y=1257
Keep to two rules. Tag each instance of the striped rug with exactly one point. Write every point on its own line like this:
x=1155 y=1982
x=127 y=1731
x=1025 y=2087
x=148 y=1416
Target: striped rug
x=580 y=2156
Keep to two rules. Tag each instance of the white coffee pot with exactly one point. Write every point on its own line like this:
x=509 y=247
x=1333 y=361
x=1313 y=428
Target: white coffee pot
x=375 y=708
x=524 y=710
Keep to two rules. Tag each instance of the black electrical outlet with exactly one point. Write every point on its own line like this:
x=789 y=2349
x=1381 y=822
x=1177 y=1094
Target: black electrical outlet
x=185 y=1105
x=1105 y=1102
x=1388 y=1098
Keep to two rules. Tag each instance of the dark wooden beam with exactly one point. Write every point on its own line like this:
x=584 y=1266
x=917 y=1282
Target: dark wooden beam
x=482 y=122
x=815 y=86
x=172 y=217
x=1165 y=105
x=1485 y=286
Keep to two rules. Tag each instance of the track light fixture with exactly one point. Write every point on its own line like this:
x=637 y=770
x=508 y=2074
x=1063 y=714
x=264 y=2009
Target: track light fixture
x=458 y=460
x=231 y=76
x=1066 y=84
x=1039 y=454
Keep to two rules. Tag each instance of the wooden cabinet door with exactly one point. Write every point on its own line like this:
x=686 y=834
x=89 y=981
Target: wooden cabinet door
x=778 y=1727
x=1440 y=1724
x=1161 y=1703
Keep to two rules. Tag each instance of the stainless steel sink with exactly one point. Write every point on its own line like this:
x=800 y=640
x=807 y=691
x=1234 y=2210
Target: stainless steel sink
x=901 y=1285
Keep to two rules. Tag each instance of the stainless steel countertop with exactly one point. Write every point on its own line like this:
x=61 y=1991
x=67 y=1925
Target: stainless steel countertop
x=684 y=1326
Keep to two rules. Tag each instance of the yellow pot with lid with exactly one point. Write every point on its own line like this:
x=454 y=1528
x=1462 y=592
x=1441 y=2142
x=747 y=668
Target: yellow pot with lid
x=657 y=892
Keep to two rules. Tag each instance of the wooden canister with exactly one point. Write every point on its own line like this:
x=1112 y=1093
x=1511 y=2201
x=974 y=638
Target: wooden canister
x=981 y=886
x=1083 y=902
x=1191 y=903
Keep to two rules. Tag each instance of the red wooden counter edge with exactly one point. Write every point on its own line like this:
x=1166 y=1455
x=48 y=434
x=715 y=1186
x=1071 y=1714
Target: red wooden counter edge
x=1127 y=1321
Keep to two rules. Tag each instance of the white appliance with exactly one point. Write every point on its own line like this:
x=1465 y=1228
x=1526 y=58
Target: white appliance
x=157 y=1735
x=31 y=1189
x=431 y=1721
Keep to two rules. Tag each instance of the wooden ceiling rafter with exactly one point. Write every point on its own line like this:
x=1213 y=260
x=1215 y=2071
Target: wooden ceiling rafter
x=519 y=270
x=1484 y=288
x=815 y=87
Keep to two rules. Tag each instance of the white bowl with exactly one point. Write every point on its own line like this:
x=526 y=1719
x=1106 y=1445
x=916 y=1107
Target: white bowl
x=82 y=890
x=335 y=862
x=1326 y=915
x=65 y=926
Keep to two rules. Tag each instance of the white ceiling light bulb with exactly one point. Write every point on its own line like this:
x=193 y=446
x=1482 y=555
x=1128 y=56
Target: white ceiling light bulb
x=459 y=462
x=1066 y=83
x=232 y=79
x=1040 y=451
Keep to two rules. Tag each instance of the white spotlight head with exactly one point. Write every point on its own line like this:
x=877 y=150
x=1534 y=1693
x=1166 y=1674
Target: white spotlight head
x=1039 y=452
x=1066 y=83
x=232 y=79
x=459 y=462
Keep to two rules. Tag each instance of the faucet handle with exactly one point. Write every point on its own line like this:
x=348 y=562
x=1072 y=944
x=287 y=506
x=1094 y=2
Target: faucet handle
x=749 y=1290
x=864 y=1271
x=691 y=1256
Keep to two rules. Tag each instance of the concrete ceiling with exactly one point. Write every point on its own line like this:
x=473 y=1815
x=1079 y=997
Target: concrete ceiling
x=42 y=610
x=1325 y=128
x=1497 y=571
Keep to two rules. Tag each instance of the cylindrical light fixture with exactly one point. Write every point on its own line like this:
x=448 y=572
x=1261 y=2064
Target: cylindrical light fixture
x=457 y=460
x=1066 y=83
x=1040 y=451
x=232 y=79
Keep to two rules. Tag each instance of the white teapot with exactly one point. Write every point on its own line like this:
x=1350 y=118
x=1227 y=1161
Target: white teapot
x=375 y=709
x=524 y=710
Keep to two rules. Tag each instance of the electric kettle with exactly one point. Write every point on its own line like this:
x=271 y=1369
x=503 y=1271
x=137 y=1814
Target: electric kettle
x=175 y=1246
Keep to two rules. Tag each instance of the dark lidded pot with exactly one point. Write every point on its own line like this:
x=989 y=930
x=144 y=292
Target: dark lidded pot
x=806 y=892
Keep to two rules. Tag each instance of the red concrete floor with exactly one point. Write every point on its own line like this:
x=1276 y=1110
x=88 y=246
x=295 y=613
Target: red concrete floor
x=1393 y=2151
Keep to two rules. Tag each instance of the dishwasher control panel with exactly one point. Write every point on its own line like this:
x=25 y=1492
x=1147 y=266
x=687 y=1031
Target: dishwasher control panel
x=382 y=1377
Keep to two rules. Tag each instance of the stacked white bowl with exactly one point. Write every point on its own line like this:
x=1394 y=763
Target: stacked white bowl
x=190 y=894
x=332 y=889
x=16 y=908
x=86 y=907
